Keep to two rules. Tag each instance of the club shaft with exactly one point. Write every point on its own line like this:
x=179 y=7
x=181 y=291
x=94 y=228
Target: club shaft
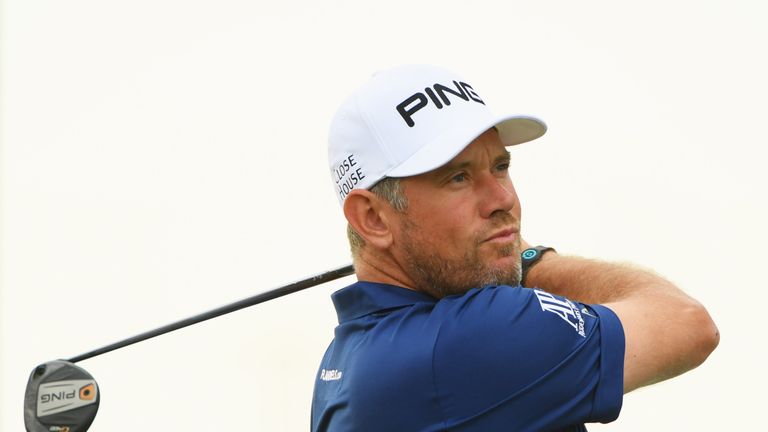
x=232 y=307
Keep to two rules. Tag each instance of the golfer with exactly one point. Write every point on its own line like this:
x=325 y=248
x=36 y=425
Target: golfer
x=456 y=323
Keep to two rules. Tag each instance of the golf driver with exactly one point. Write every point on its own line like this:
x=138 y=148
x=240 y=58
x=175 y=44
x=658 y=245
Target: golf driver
x=63 y=397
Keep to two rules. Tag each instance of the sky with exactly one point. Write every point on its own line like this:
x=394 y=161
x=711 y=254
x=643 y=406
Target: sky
x=161 y=158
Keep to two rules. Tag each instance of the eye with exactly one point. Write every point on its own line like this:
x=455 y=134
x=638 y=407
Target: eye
x=459 y=178
x=503 y=166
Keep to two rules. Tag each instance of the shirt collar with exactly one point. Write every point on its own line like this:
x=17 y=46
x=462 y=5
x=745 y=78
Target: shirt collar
x=364 y=298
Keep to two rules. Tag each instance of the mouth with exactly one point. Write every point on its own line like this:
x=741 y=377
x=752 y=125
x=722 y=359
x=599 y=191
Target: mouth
x=503 y=236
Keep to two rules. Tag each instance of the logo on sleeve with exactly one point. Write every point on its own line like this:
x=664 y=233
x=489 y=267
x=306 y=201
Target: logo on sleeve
x=563 y=308
x=330 y=375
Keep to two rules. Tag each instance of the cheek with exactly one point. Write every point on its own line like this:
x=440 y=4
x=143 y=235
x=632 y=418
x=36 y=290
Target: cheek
x=450 y=224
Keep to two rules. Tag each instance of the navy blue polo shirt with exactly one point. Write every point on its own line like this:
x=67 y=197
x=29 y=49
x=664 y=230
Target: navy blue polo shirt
x=497 y=358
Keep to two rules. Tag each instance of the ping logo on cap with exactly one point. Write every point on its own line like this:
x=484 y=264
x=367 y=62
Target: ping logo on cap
x=437 y=94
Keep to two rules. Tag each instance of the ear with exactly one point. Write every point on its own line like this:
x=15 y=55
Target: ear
x=369 y=215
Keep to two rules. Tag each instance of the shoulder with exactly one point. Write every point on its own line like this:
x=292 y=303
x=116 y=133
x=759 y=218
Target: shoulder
x=506 y=320
x=509 y=318
x=497 y=341
x=489 y=310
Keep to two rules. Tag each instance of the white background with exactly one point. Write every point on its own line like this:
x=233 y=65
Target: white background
x=163 y=157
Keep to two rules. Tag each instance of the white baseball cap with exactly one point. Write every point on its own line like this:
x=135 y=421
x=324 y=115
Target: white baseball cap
x=410 y=120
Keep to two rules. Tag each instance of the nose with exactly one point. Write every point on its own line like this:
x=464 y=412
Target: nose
x=497 y=194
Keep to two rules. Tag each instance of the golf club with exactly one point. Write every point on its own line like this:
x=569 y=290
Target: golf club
x=63 y=397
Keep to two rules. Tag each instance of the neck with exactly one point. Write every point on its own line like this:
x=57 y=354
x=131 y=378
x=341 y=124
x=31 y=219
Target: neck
x=371 y=267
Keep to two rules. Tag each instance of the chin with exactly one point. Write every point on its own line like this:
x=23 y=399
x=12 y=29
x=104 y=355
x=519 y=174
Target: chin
x=506 y=261
x=505 y=271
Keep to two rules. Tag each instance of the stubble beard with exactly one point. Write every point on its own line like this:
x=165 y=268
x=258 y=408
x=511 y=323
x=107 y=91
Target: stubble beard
x=440 y=276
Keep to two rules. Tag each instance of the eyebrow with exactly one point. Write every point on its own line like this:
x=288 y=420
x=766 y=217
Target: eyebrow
x=504 y=157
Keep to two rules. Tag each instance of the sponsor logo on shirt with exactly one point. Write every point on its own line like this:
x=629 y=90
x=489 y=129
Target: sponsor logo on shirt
x=330 y=375
x=563 y=308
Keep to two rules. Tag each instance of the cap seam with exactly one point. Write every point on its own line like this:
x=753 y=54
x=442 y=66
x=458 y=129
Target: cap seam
x=377 y=136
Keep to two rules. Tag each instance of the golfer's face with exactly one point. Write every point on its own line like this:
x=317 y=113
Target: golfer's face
x=466 y=214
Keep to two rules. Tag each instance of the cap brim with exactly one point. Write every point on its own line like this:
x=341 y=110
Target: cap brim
x=519 y=129
x=513 y=130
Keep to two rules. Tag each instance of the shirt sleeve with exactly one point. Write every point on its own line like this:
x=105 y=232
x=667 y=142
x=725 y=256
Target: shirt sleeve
x=522 y=359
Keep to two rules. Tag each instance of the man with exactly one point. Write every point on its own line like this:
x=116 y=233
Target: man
x=439 y=334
